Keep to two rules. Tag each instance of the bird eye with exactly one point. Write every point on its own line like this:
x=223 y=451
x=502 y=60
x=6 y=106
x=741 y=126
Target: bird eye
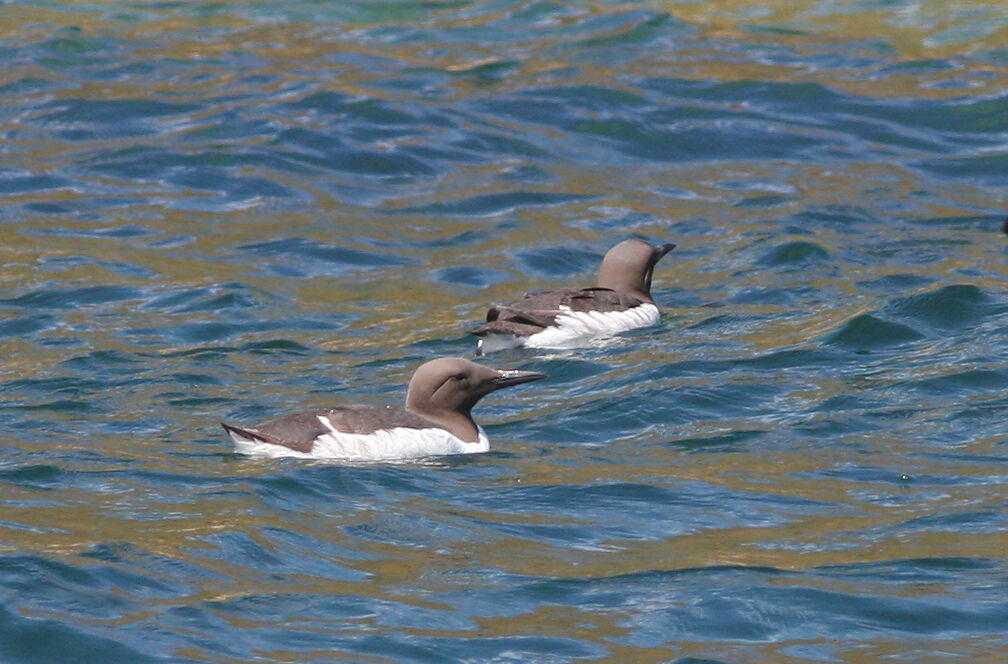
x=460 y=376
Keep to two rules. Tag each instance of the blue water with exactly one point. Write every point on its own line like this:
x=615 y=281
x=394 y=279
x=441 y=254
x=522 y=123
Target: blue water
x=228 y=211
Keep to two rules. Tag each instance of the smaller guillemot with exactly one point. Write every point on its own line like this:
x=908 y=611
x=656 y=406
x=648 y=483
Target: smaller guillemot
x=436 y=420
x=556 y=318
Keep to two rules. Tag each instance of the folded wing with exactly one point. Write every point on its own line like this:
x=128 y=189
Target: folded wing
x=298 y=431
x=537 y=311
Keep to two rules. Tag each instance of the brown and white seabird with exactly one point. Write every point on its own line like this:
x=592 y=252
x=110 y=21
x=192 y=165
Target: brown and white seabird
x=436 y=420
x=621 y=301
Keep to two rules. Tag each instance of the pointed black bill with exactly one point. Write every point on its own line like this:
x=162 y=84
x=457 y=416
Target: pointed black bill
x=659 y=252
x=515 y=377
x=662 y=249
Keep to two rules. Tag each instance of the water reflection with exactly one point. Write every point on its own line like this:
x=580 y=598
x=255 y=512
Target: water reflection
x=231 y=211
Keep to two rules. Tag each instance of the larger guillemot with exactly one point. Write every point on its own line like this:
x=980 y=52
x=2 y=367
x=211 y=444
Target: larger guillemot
x=436 y=420
x=555 y=318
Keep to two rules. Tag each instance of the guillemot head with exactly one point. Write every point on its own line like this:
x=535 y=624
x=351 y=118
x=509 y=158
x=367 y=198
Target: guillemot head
x=628 y=267
x=445 y=390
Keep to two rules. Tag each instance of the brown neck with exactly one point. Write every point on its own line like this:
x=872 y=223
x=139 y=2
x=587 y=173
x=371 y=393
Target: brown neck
x=639 y=291
x=642 y=295
x=460 y=425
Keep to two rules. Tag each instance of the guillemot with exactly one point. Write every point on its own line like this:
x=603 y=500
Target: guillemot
x=557 y=318
x=435 y=422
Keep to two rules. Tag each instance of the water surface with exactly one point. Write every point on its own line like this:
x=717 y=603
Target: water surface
x=228 y=211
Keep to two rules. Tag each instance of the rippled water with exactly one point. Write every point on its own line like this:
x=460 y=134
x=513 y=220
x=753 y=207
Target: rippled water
x=231 y=210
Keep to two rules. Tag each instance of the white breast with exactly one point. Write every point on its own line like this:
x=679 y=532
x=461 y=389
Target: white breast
x=383 y=445
x=571 y=327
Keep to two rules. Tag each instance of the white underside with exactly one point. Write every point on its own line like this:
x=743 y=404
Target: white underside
x=571 y=328
x=383 y=445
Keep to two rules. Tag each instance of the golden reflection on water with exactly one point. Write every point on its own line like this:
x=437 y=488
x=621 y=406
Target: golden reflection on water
x=77 y=520
x=909 y=31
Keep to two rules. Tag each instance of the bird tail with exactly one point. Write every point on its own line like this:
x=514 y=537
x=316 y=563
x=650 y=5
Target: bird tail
x=243 y=434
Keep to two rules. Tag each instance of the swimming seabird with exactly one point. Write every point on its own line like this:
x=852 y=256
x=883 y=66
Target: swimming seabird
x=555 y=318
x=436 y=420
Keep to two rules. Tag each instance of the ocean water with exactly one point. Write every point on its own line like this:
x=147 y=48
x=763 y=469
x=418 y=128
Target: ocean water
x=229 y=211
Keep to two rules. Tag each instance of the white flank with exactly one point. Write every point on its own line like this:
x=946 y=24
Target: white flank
x=492 y=343
x=382 y=445
x=572 y=327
